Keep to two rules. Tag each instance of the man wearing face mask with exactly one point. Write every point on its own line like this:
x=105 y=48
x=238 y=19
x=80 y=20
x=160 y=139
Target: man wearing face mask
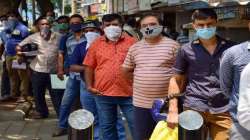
x=67 y=45
x=91 y=31
x=42 y=66
x=62 y=25
x=150 y=61
x=103 y=75
x=15 y=32
x=198 y=64
x=50 y=15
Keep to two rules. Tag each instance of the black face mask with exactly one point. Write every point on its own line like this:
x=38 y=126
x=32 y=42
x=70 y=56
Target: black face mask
x=76 y=27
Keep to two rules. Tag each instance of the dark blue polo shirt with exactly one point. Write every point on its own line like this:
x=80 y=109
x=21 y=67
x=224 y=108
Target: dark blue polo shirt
x=203 y=91
x=78 y=54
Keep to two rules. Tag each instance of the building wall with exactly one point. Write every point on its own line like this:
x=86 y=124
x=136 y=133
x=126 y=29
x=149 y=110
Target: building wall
x=234 y=34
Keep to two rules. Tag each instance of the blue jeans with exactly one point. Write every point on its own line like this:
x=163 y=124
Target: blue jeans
x=89 y=103
x=71 y=92
x=107 y=111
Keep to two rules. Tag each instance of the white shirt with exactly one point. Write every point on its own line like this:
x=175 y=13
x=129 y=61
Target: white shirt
x=243 y=114
x=46 y=60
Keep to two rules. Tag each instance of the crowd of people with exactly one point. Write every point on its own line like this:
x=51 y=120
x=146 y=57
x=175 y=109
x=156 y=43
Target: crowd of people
x=118 y=70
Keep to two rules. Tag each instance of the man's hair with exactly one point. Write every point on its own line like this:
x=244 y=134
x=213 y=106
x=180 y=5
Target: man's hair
x=77 y=16
x=12 y=13
x=131 y=21
x=202 y=14
x=112 y=17
x=62 y=17
x=151 y=15
x=53 y=13
x=39 y=19
x=3 y=17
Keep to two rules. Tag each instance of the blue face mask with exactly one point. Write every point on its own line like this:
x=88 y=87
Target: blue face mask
x=76 y=27
x=206 y=33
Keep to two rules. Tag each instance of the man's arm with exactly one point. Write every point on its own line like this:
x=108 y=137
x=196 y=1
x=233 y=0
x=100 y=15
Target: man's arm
x=226 y=73
x=60 y=62
x=89 y=80
x=176 y=85
x=128 y=73
x=1 y=49
x=60 y=59
x=76 y=68
x=129 y=65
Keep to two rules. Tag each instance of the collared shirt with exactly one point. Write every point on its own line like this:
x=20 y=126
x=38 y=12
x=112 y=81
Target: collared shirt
x=67 y=45
x=152 y=65
x=46 y=59
x=233 y=62
x=78 y=54
x=106 y=58
x=15 y=37
x=243 y=114
x=203 y=91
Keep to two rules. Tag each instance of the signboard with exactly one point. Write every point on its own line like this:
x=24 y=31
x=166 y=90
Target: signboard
x=228 y=12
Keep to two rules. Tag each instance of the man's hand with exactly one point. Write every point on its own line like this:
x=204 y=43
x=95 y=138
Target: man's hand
x=60 y=75
x=20 y=59
x=172 y=119
x=94 y=91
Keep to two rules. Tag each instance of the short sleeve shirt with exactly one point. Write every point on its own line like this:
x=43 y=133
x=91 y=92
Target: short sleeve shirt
x=152 y=65
x=203 y=91
x=78 y=54
x=46 y=59
x=106 y=58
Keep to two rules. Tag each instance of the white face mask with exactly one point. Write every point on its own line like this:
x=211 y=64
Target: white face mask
x=91 y=36
x=113 y=33
x=151 y=31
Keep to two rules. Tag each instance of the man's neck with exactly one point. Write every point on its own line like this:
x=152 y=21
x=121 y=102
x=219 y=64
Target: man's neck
x=210 y=44
x=154 y=40
x=78 y=35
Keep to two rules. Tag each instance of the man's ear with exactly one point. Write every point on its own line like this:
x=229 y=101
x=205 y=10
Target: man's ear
x=193 y=25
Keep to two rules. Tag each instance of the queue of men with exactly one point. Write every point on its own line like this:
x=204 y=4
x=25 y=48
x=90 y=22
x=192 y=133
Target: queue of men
x=114 y=70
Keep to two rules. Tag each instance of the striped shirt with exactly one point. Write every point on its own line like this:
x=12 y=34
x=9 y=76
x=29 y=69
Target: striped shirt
x=152 y=64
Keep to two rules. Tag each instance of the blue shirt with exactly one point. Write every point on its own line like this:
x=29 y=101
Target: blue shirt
x=78 y=54
x=203 y=91
x=14 y=38
x=67 y=45
x=233 y=62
